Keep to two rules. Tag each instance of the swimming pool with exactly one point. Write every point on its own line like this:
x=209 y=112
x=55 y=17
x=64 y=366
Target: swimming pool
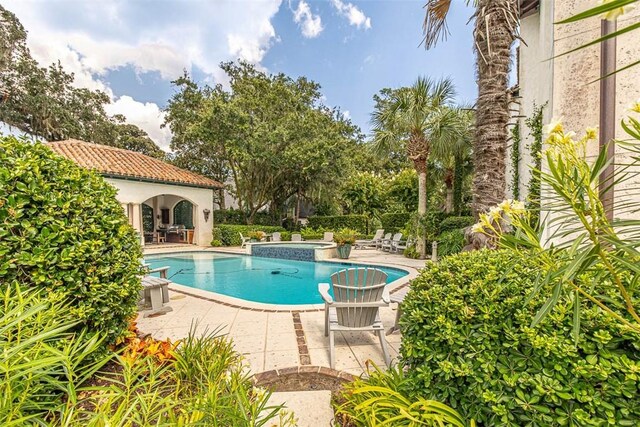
x=263 y=280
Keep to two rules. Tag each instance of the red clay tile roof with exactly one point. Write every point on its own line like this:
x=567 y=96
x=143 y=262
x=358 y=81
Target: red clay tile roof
x=116 y=162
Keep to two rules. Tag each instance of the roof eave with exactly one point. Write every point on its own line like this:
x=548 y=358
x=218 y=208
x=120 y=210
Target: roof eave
x=159 y=181
x=528 y=7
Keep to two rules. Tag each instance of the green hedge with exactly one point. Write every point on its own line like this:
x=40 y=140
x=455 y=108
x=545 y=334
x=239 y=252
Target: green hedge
x=63 y=231
x=338 y=222
x=236 y=216
x=394 y=222
x=450 y=242
x=229 y=235
x=456 y=223
x=467 y=338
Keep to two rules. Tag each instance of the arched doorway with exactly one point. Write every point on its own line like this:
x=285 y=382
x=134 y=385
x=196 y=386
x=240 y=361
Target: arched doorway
x=183 y=214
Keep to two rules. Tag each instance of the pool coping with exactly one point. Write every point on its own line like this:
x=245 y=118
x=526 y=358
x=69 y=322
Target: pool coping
x=274 y=308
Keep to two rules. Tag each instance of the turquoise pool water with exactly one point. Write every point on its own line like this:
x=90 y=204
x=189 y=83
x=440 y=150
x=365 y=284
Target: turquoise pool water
x=265 y=280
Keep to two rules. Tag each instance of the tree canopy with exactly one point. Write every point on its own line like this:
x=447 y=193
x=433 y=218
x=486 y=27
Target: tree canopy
x=270 y=134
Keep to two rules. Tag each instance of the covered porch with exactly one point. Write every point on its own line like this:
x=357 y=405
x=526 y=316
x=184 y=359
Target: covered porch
x=168 y=219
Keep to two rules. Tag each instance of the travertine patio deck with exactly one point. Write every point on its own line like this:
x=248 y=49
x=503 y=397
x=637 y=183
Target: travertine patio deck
x=283 y=338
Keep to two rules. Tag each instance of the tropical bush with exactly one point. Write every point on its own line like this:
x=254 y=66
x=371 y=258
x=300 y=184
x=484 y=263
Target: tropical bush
x=468 y=341
x=364 y=193
x=394 y=222
x=345 y=237
x=63 y=231
x=309 y=233
x=50 y=377
x=336 y=222
x=403 y=190
x=450 y=242
x=230 y=234
x=456 y=223
x=425 y=226
x=380 y=399
x=42 y=358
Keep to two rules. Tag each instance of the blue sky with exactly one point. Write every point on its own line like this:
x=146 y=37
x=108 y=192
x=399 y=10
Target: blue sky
x=133 y=49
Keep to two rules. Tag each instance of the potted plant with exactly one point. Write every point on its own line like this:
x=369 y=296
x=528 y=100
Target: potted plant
x=256 y=236
x=344 y=239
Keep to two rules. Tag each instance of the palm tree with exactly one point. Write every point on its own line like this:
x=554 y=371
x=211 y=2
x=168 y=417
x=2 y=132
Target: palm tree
x=496 y=28
x=456 y=153
x=419 y=119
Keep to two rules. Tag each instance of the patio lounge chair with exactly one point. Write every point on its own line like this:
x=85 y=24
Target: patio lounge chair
x=400 y=246
x=389 y=244
x=296 y=237
x=372 y=243
x=379 y=243
x=244 y=240
x=358 y=294
x=328 y=237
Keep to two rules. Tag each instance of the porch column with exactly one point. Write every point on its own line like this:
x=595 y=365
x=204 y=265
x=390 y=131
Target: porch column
x=136 y=220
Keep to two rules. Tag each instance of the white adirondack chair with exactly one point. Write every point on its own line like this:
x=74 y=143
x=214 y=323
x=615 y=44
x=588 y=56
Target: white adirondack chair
x=328 y=236
x=358 y=294
x=386 y=238
x=366 y=243
x=296 y=237
x=244 y=240
x=276 y=237
x=389 y=244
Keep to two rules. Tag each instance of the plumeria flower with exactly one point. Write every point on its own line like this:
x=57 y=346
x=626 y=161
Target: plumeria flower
x=613 y=14
x=635 y=107
x=555 y=126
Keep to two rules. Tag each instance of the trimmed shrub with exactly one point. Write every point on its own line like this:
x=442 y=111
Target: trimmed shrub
x=456 y=223
x=63 y=231
x=394 y=222
x=309 y=233
x=468 y=342
x=236 y=216
x=450 y=242
x=337 y=222
x=216 y=240
x=230 y=234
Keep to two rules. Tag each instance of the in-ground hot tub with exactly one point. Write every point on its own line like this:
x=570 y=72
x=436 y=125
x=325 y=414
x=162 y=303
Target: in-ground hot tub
x=298 y=251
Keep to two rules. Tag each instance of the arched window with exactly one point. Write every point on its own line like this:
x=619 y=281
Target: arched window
x=147 y=218
x=183 y=213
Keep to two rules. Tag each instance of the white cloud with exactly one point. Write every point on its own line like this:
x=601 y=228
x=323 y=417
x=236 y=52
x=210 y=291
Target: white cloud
x=346 y=114
x=147 y=116
x=311 y=24
x=355 y=16
x=92 y=38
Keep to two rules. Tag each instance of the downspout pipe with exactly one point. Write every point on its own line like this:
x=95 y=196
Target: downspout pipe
x=607 y=113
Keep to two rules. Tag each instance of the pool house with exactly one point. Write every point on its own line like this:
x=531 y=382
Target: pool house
x=164 y=203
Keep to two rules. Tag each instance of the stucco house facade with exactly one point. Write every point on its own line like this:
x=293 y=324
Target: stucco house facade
x=160 y=200
x=568 y=85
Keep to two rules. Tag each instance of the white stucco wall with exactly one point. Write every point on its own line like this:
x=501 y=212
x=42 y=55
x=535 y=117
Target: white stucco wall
x=136 y=193
x=535 y=78
x=567 y=82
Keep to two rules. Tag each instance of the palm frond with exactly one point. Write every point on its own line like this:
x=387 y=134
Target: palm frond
x=434 y=26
